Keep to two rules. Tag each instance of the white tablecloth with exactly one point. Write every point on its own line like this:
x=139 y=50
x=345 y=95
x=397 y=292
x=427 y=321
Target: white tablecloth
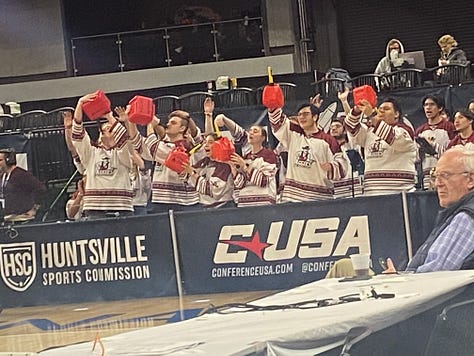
x=288 y=330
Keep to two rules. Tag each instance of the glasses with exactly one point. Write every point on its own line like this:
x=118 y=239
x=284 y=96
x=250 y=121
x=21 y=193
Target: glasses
x=444 y=176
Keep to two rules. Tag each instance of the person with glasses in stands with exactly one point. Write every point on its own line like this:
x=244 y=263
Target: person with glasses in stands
x=315 y=159
x=450 y=245
x=20 y=191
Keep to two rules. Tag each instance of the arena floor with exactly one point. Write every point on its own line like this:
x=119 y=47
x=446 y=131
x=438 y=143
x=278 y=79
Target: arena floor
x=29 y=330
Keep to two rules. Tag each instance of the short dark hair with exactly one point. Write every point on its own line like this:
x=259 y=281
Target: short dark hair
x=396 y=105
x=467 y=114
x=469 y=103
x=439 y=101
x=9 y=155
x=314 y=109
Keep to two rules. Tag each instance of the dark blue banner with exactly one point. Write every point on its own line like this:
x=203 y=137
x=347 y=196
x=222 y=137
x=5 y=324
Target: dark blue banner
x=87 y=261
x=282 y=246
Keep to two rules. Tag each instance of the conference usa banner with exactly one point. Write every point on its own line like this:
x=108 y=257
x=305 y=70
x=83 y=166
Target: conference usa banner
x=86 y=261
x=282 y=246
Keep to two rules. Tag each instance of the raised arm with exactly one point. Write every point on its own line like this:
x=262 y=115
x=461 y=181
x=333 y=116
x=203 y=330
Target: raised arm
x=343 y=98
x=208 y=107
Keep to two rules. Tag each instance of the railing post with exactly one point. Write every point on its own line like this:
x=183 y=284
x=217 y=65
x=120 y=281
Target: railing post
x=166 y=37
x=119 y=44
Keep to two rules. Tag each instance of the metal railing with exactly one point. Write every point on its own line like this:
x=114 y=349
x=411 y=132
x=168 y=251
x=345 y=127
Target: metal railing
x=168 y=46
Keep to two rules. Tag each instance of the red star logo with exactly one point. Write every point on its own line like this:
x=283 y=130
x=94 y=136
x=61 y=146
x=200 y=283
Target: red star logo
x=254 y=245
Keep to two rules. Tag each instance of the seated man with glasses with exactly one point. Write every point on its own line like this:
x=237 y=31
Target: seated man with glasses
x=450 y=245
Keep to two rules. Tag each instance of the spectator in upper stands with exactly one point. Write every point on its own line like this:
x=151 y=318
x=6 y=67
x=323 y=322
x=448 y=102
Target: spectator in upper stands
x=433 y=136
x=212 y=179
x=67 y=121
x=170 y=190
x=255 y=171
x=391 y=61
x=450 y=52
x=314 y=157
x=470 y=105
x=463 y=122
x=108 y=191
x=21 y=191
x=389 y=147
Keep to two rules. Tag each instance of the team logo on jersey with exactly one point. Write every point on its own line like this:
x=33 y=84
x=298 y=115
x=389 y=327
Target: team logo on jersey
x=18 y=265
x=104 y=167
x=377 y=148
x=304 y=157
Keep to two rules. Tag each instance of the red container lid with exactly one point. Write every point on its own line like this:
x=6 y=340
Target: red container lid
x=96 y=107
x=365 y=92
x=142 y=110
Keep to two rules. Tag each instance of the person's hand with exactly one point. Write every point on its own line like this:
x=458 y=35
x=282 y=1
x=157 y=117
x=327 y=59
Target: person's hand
x=365 y=107
x=87 y=97
x=187 y=168
x=390 y=267
x=122 y=113
x=208 y=105
x=67 y=119
x=316 y=100
x=81 y=186
x=325 y=166
x=443 y=62
x=342 y=96
x=237 y=161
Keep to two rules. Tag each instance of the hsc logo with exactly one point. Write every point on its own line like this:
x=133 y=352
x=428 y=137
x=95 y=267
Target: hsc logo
x=18 y=265
x=312 y=238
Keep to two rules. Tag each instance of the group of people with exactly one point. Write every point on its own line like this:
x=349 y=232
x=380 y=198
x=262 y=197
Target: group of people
x=450 y=53
x=125 y=171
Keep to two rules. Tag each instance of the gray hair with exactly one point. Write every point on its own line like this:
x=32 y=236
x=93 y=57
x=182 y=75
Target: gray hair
x=467 y=157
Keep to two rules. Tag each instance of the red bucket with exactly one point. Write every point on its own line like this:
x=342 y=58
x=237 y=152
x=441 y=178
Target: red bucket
x=97 y=107
x=272 y=96
x=142 y=110
x=222 y=149
x=176 y=158
x=365 y=92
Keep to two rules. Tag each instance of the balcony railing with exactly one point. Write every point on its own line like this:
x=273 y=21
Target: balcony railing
x=168 y=46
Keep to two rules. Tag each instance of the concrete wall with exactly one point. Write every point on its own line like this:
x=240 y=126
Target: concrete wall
x=144 y=79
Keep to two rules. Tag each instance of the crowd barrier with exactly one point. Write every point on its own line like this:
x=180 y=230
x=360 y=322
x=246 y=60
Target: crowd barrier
x=236 y=249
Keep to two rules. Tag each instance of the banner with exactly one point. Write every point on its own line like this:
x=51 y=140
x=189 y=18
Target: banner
x=87 y=261
x=282 y=246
